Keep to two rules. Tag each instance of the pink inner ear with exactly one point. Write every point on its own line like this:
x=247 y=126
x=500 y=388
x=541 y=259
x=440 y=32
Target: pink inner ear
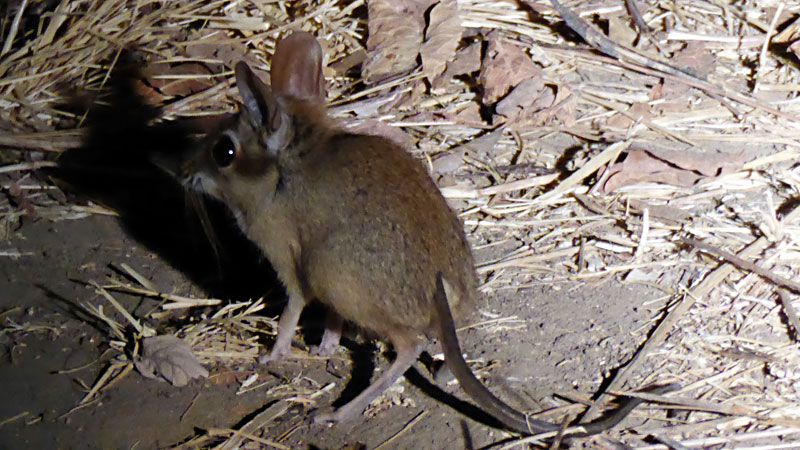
x=296 y=69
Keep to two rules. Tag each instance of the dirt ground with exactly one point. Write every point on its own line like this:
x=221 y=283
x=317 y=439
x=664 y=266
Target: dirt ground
x=556 y=340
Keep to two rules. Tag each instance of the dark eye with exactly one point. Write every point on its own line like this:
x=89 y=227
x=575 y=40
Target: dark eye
x=224 y=151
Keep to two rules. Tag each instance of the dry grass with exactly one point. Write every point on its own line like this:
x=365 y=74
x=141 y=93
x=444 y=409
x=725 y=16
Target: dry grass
x=725 y=338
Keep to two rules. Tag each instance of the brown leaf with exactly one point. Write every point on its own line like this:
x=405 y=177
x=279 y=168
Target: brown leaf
x=485 y=144
x=227 y=54
x=172 y=81
x=638 y=110
x=148 y=94
x=640 y=166
x=695 y=57
x=169 y=358
x=549 y=98
x=620 y=31
x=467 y=60
x=469 y=116
x=521 y=97
x=678 y=168
x=655 y=93
x=441 y=39
x=450 y=161
x=395 y=36
x=548 y=106
x=478 y=147
x=504 y=66
x=566 y=107
x=710 y=164
x=22 y=200
x=662 y=212
x=343 y=65
x=409 y=100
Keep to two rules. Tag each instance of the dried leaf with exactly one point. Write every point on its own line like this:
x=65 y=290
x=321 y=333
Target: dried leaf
x=661 y=212
x=228 y=53
x=480 y=146
x=395 y=36
x=169 y=358
x=640 y=166
x=548 y=98
x=638 y=110
x=504 y=66
x=709 y=164
x=678 y=168
x=469 y=116
x=148 y=94
x=521 y=97
x=695 y=57
x=548 y=106
x=409 y=100
x=656 y=93
x=22 y=200
x=467 y=60
x=449 y=162
x=441 y=39
x=171 y=81
x=566 y=107
x=343 y=65
x=620 y=31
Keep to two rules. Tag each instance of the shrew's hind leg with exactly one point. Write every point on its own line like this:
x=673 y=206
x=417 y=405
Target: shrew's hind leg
x=408 y=347
x=331 y=335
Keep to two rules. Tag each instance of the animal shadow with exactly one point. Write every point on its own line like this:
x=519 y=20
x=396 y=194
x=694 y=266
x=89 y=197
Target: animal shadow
x=114 y=168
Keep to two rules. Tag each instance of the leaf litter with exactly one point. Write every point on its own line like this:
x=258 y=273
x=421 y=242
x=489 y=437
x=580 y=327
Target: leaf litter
x=706 y=98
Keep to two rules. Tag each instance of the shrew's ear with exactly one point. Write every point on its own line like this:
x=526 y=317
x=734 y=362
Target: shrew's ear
x=257 y=97
x=266 y=112
x=296 y=68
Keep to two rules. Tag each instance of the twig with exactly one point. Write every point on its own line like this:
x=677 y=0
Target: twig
x=12 y=33
x=32 y=165
x=697 y=405
x=762 y=57
x=135 y=323
x=13 y=418
x=743 y=264
x=638 y=20
x=230 y=432
x=791 y=314
x=138 y=277
x=609 y=154
x=407 y=427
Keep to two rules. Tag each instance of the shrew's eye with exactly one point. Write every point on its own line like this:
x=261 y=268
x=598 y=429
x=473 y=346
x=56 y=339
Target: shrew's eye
x=224 y=151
